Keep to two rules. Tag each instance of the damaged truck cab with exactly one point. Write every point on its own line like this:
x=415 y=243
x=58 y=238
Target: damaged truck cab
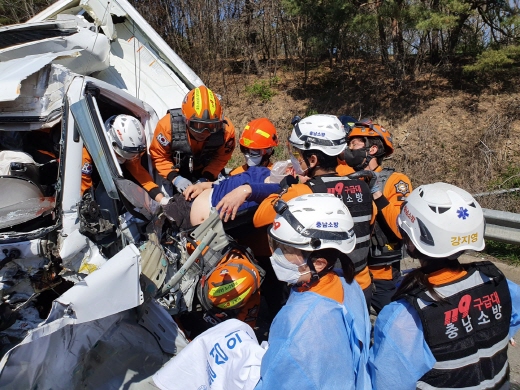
x=63 y=73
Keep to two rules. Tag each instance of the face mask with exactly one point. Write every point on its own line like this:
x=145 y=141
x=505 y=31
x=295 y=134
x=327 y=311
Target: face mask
x=356 y=158
x=253 y=161
x=296 y=165
x=284 y=269
x=120 y=159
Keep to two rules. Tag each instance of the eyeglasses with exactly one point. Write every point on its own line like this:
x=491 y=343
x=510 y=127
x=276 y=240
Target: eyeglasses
x=200 y=127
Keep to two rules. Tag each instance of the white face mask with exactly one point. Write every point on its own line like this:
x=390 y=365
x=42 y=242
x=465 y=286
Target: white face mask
x=296 y=165
x=253 y=161
x=284 y=269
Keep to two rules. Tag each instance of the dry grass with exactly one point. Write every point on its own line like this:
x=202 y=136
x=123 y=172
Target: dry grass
x=466 y=136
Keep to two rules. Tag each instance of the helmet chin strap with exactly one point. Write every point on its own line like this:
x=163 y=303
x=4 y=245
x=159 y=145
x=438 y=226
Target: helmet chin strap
x=363 y=165
x=265 y=160
x=309 y=171
x=315 y=275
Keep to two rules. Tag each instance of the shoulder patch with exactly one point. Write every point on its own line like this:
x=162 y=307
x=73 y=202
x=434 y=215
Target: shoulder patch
x=230 y=145
x=86 y=169
x=402 y=187
x=162 y=139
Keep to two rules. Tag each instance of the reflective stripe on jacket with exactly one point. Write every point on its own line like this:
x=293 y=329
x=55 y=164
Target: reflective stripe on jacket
x=468 y=332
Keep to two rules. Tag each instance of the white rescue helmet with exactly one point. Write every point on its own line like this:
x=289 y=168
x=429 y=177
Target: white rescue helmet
x=127 y=136
x=313 y=222
x=319 y=132
x=441 y=220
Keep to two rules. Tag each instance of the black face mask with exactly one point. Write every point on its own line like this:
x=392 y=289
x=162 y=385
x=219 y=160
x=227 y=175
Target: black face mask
x=357 y=158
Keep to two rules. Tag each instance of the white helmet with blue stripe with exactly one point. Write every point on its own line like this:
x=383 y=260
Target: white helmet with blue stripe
x=313 y=222
x=319 y=132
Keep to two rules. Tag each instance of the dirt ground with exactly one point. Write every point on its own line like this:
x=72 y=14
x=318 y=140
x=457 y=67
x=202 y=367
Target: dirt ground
x=462 y=134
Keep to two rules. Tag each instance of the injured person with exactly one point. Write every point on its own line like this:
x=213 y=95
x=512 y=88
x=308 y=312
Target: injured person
x=230 y=195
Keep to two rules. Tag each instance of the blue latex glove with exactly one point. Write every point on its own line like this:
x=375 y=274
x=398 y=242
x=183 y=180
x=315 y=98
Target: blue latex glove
x=181 y=183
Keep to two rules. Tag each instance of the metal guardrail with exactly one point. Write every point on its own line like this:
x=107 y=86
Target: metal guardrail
x=502 y=226
x=497 y=192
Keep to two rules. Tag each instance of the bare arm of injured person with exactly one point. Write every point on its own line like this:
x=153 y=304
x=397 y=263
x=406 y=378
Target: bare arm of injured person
x=230 y=199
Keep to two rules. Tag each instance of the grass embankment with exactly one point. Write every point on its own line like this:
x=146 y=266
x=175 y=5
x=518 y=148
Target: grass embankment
x=505 y=252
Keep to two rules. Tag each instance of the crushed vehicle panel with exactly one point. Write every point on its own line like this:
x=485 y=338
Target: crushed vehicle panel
x=80 y=272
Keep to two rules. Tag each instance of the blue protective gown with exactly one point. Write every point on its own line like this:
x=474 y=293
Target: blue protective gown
x=317 y=343
x=400 y=355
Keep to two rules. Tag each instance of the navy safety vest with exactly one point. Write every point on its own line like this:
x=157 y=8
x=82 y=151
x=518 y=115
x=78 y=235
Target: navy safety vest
x=386 y=247
x=469 y=332
x=358 y=199
x=182 y=155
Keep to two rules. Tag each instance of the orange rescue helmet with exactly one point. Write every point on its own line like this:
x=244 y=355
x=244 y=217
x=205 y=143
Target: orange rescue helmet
x=202 y=110
x=232 y=282
x=373 y=130
x=259 y=134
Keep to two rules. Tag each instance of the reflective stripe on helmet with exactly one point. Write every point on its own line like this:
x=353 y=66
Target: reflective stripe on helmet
x=317 y=141
x=235 y=301
x=224 y=289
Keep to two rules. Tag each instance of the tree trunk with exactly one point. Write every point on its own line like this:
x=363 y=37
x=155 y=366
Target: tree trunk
x=382 y=39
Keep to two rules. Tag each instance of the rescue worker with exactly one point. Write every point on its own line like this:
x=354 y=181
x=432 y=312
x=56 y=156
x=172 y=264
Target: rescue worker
x=193 y=143
x=320 y=338
x=127 y=137
x=232 y=289
x=315 y=144
x=257 y=144
x=349 y=122
x=368 y=144
x=450 y=323
x=229 y=287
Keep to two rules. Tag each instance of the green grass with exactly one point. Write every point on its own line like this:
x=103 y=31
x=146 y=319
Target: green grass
x=263 y=89
x=311 y=111
x=506 y=252
x=509 y=178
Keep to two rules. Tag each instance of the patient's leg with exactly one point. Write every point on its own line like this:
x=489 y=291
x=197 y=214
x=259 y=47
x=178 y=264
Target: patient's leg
x=201 y=207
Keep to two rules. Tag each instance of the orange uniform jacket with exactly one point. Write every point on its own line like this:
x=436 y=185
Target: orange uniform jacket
x=343 y=169
x=134 y=167
x=237 y=170
x=265 y=216
x=396 y=189
x=161 y=151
